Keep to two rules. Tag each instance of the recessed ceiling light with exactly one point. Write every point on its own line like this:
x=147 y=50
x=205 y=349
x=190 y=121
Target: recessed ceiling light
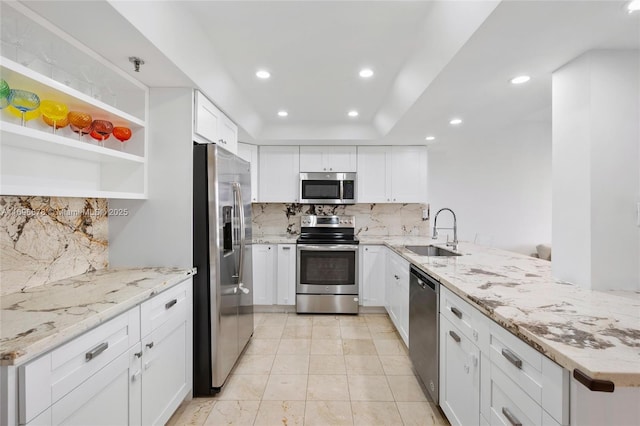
x=455 y=121
x=353 y=113
x=520 y=79
x=283 y=113
x=366 y=73
x=263 y=74
x=430 y=138
x=633 y=6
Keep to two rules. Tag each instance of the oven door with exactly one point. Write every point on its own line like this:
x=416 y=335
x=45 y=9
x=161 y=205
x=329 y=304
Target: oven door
x=327 y=269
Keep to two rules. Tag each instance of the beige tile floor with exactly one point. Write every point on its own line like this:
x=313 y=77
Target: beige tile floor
x=318 y=370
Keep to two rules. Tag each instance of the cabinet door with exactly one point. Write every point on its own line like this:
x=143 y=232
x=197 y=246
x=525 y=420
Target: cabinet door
x=249 y=153
x=403 y=302
x=341 y=159
x=313 y=158
x=103 y=399
x=459 y=376
x=286 y=287
x=372 y=275
x=207 y=118
x=373 y=176
x=264 y=274
x=164 y=371
x=408 y=174
x=228 y=134
x=279 y=174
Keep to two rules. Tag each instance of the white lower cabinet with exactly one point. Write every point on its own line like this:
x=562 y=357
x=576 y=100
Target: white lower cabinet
x=372 y=275
x=489 y=376
x=274 y=274
x=264 y=273
x=397 y=293
x=459 y=375
x=164 y=357
x=286 y=289
x=109 y=375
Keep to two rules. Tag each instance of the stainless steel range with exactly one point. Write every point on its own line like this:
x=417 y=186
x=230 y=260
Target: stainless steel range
x=327 y=270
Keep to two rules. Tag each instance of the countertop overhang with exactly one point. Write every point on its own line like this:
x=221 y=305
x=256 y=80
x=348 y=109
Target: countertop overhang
x=40 y=318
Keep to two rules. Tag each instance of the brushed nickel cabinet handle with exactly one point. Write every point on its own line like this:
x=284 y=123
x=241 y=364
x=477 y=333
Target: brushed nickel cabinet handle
x=170 y=304
x=454 y=336
x=509 y=415
x=456 y=312
x=512 y=358
x=96 y=351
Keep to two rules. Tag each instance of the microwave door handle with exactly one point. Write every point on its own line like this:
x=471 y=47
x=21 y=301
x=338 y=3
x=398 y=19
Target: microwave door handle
x=341 y=189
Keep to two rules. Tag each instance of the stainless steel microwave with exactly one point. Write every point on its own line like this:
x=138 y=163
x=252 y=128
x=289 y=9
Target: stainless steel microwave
x=328 y=188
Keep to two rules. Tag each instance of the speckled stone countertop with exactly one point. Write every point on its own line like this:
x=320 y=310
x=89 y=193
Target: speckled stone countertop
x=597 y=332
x=40 y=318
x=274 y=239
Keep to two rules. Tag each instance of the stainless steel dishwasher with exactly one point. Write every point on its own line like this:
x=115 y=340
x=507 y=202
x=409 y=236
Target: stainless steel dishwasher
x=423 y=329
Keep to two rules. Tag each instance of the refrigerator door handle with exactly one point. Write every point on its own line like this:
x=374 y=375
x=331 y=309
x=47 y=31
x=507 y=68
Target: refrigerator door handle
x=237 y=190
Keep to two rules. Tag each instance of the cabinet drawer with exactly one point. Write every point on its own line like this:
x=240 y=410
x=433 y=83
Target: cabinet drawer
x=519 y=361
x=459 y=312
x=471 y=322
x=52 y=376
x=164 y=307
x=510 y=405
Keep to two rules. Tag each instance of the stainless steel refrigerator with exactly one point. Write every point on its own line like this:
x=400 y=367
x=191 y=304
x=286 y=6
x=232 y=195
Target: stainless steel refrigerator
x=223 y=286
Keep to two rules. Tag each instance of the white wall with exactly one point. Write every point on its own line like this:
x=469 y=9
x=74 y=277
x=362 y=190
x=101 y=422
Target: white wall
x=158 y=231
x=596 y=143
x=498 y=185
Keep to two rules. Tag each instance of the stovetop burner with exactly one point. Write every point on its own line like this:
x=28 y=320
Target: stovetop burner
x=327 y=230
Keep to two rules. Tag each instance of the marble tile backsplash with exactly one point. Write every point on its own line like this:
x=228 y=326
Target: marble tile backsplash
x=45 y=239
x=371 y=219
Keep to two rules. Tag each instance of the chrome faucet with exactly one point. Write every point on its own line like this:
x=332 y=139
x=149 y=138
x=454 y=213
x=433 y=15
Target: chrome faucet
x=453 y=244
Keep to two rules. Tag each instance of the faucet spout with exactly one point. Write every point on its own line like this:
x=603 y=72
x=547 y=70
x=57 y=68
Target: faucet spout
x=453 y=244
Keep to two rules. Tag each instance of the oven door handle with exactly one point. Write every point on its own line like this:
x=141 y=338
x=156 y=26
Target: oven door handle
x=327 y=247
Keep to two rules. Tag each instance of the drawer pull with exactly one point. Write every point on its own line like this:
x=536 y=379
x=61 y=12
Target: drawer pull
x=512 y=358
x=509 y=415
x=149 y=345
x=138 y=354
x=454 y=336
x=456 y=312
x=286 y=248
x=170 y=303
x=96 y=351
x=594 y=385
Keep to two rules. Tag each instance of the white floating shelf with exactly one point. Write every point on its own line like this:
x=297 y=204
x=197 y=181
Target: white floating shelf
x=61 y=192
x=21 y=77
x=33 y=139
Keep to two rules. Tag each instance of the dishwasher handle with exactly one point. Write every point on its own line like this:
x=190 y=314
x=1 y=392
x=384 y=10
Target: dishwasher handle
x=424 y=280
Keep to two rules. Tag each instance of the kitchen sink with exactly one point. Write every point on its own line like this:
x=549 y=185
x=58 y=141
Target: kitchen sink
x=431 y=251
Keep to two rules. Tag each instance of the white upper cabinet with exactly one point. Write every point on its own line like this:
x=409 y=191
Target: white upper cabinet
x=337 y=159
x=37 y=161
x=249 y=153
x=207 y=118
x=279 y=174
x=228 y=134
x=408 y=174
x=392 y=174
x=212 y=125
x=373 y=176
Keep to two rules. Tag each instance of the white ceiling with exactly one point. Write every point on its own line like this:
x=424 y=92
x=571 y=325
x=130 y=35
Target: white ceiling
x=432 y=59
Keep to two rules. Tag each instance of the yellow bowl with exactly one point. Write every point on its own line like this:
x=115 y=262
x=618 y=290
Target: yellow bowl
x=29 y=115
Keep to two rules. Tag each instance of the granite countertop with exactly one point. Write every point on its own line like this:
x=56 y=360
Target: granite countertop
x=597 y=332
x=40 y=318
x=274 y=239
